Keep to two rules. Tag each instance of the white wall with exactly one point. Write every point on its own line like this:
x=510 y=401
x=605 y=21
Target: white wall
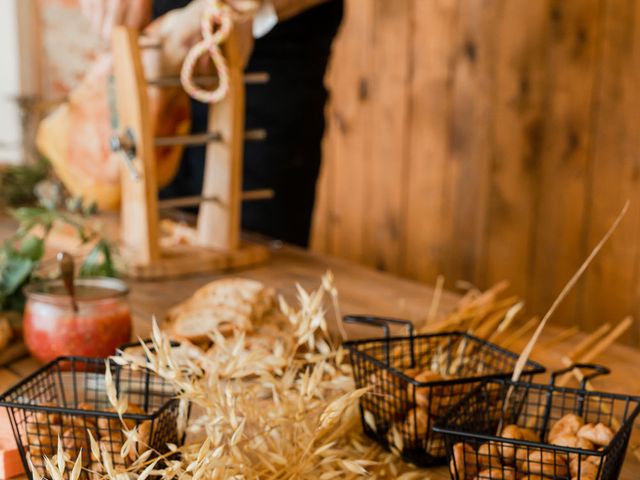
x=19 y=67
x=10 y=131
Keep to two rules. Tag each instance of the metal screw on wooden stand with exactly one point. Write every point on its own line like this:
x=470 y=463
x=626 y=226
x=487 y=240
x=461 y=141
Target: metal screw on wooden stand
x=124 y=144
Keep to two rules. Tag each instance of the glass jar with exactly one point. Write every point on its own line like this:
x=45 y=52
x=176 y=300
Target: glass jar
x=101 y=324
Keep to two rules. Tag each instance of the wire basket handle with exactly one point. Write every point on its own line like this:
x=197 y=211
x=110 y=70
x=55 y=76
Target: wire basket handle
x=597 y=371
x=384 y=323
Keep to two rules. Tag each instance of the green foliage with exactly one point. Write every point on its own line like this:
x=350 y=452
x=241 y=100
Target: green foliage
x=16 y=267
x=20 y=255
x=99 y=262
x=17 y=183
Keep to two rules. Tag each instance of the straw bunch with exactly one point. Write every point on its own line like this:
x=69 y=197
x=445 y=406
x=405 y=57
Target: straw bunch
x=283 y=412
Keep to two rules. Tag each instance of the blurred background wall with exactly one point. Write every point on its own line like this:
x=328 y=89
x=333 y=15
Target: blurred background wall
x=487 y=140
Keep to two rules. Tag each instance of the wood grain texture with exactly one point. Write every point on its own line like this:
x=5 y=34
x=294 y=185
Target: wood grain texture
x=515 y=144
x=428 y=146
x=347 y=144
x=497 y=140
x=385 y=175
x=219 y=222
x=611 y=287
x=559 y=249
x=139 y=210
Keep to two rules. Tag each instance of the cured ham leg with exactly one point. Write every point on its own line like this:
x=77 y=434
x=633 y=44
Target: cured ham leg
x=75 y=137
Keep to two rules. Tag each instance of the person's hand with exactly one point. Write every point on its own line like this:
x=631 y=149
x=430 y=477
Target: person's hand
x=106 y=14
x=178 y=30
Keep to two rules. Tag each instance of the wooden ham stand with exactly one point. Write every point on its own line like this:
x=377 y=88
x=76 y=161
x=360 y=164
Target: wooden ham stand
x=219 y=245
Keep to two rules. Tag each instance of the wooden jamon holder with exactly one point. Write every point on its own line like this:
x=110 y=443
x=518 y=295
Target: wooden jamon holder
x=219 y=245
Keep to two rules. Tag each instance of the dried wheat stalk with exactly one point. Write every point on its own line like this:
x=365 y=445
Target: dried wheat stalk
x=286 y=412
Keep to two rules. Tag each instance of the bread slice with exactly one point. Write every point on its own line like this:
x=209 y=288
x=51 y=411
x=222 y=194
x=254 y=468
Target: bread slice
x=197 y=324
x=249 y=297
x=228 y=305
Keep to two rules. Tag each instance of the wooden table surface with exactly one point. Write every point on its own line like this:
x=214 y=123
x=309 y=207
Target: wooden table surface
x=361 y=290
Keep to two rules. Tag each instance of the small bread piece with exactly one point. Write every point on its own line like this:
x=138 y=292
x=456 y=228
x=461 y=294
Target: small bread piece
x=422 y=393
x=49 y=418
x=529 y=435
x=75 y=441
x=113 y=447
x=488 y=456
x=499 y=473
x=598 y=434
x=196 y=323
x=416 y=423
x=463 y=461
x=42 y=438
x=547 y=464
x=587 y=466
x=572 y=441
x=508 y=452
x=570 y=424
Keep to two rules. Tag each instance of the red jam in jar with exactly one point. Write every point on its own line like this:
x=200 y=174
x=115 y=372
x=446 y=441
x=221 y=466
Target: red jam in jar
x=101 y=324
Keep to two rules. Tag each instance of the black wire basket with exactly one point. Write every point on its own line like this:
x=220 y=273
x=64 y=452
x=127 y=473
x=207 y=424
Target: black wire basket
x=476 y=451
x=405 y=397
x=67 y=399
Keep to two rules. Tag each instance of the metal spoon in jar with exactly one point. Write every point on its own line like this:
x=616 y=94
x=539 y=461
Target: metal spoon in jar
x=67 y=272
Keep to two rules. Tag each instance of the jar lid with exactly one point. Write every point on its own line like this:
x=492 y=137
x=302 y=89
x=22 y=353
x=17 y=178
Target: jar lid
x=93 y=289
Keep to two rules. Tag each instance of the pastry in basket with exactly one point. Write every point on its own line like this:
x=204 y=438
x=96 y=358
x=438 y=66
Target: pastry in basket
x=463 y=461
x=509 y=453
x=569 y=424
x=226 y=305
x=504 y=460
x=504 y=473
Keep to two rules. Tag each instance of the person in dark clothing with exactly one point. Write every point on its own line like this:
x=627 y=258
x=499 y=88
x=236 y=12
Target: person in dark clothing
x=290 y=107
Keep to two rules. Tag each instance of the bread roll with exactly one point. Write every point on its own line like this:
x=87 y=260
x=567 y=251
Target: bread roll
x=598 y=434
x=569 y=424
x=547 y=464
x=463 y=461
x=508 y=452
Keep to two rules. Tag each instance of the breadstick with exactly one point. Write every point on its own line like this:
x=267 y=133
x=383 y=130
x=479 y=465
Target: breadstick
x=520 y=332
x=435 y=301
x=560 y=337
x=597 y=349
x=583 y=346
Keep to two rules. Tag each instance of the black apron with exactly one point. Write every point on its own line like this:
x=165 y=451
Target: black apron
x=290 y=107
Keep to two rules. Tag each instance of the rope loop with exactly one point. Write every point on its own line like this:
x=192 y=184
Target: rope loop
x=216 y=25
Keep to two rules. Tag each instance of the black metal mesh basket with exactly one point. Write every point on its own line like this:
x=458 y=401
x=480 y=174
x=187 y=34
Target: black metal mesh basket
x=476 y=452
x=399 y=411
x=67 y=398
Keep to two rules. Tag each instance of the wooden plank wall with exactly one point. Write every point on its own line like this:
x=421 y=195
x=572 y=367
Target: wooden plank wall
x=487 y=140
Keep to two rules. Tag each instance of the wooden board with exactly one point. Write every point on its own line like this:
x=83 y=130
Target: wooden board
x=346 y=148
x=385 y=174
x=175 y=261
x=611 y=287
x=493 y=139
x=428 y=147
x=559 y=246
x=182 y=260
x=519 y=116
